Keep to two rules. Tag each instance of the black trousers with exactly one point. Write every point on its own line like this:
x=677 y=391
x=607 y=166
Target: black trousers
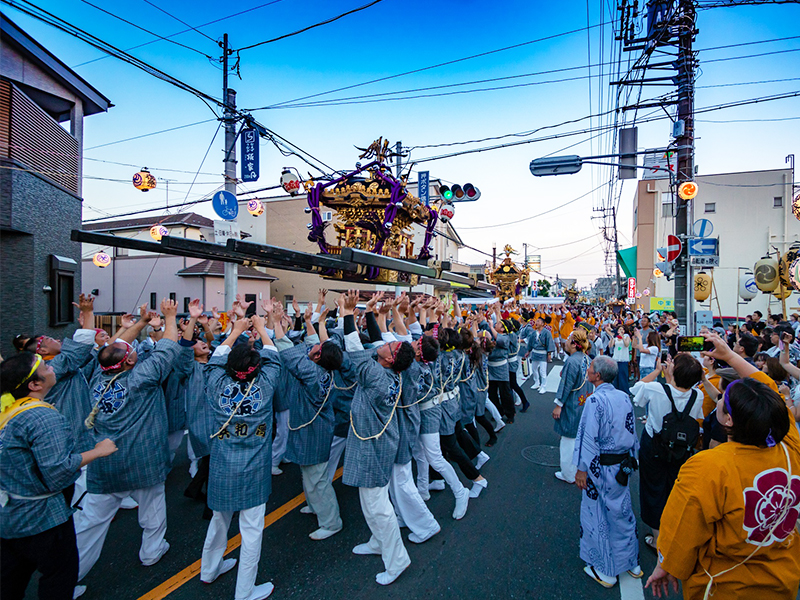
x=53 y=553
x=466 y=441
x=656 y=478
x=483 y=421
x=500 y=395
x=512 y=382
x=452 y=451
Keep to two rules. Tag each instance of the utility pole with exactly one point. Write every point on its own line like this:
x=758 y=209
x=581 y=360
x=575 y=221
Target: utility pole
x=229 y=159
x=525 y=264
x=398 y=148
x=616 y=250
x=685 y=142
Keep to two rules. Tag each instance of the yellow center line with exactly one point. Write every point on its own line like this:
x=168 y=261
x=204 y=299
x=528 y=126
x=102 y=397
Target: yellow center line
x=184 y=576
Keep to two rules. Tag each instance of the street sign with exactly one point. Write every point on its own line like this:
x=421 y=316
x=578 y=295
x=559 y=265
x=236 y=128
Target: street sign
x=674 y=248
x=225 y=205
x=704 y=261
x=702 y=228
x=703 y=247
x=703 y=317
x=423 y=183
x=631 y=288
x=250 y=155
x=556 y=165
x=224 y=230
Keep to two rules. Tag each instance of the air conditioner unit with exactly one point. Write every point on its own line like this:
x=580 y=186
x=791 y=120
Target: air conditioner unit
x=327 y=215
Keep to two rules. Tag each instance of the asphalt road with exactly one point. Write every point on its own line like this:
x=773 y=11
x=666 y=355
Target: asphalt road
x=519 y=539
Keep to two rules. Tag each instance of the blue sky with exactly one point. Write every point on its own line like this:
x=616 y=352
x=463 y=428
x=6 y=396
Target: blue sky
x=396 y=36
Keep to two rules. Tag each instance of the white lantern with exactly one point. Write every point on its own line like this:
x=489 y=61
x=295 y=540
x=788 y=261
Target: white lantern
x=747 y=286
x=290 y=182
x=446 y=212
x=102 y=260
x=158 y=231
x=255 y=207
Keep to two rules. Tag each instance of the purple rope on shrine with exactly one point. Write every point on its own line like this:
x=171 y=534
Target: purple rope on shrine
x=425 y=251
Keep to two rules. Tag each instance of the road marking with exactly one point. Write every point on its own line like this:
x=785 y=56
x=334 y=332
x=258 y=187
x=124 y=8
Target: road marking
x=630 y=588
x=553 y=379
x=184 y=576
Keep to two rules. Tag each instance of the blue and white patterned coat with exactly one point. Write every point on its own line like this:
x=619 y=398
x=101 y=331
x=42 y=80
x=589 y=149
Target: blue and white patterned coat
x=70 y=395
x=132 y=412
x=573 y=389
x=452 y=363
x=469 y=395
x=499 y=372
x=309 y=444
x=37 y=457
x=368 y=463
x=429 y=384
x=241 y=453
x=539 y=345
x=199 y=420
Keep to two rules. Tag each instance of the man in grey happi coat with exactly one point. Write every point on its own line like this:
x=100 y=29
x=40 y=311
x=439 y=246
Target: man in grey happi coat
x=373 y=440
x=130 y=409
x=570 y=397
x=311 y=419
x=240 y=387
x=540 y=348
x=606 y=444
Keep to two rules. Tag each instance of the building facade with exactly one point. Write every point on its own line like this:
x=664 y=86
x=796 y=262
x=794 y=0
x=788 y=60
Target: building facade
x=40 y=185
x=750 y=213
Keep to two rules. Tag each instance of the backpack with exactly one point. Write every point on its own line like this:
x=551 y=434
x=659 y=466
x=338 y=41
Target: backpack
x=676 y=441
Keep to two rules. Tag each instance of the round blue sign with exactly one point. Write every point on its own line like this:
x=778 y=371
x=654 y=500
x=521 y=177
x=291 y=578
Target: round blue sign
x=225 y=205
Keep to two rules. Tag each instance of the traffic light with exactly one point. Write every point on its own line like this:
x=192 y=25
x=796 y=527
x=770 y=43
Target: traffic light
x=459 y=193
x=667 y=268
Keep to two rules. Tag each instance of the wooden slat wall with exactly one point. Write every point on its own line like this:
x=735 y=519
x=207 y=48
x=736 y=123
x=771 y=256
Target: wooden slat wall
x=37 y=141
x=5 y=118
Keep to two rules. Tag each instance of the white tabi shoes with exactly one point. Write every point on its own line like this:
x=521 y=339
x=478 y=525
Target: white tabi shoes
x=478 y=487
x=560 y=476
x=436 y=485
x=261 y=591
x=322 y=534
x=386 y=578
x=499 y=425
x=307 y=510
x=277 y=471
x=224 y=567
x=542 y=390
x=78 y=591
x=413 y=537
x=365 y=550
x=462 y=502
x=483 y=458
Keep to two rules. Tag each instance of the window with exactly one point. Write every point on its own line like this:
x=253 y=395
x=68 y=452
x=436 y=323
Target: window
x=777 y=202
x=186 y=301
x=327 y=215
x=121 y=251
x=153 y=300
x=173 y=296
x=666 y=210
x=711 y=207
x=62 y=289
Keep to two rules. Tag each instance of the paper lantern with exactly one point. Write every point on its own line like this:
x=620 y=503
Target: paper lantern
x=702 y=286
x=796 y=207
x=794 y=273
x=158 y=231
x=290 y=182
x=638 y=294
x=255 y=207
x=786 y=263
x=747 y=286
x=144 y=181
x=782 y=293
x=646 y=292
x=658 y=272
x=766 y=274
x=102 y=260
x=687 y=190
x=446 y=212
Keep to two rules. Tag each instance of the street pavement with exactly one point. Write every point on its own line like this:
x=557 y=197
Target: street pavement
x=519 y=539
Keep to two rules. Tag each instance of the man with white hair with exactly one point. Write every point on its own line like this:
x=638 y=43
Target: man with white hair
x=604 y=455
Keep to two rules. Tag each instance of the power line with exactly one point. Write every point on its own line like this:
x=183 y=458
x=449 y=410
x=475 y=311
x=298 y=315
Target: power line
x=304 y=29
x=538 y=248
x=140 y=28
x=144 y=135
x=185 y=31
x=428 y=68
x=157 y=7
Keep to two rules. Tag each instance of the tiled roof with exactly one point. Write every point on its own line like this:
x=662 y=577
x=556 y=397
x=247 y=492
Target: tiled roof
x=146 y=222
x=216 y=268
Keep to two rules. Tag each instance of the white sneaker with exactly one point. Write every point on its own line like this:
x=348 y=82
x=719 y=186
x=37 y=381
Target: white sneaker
x=478 y=487
x=307 y=510
x=80 y=590
x=462 y=502
x=261 y=591
x=499 y=425
x=542 y=390
x=322 y=534
x=276 y=471
x=483 y=458
x=437 y=485
x=226 y=566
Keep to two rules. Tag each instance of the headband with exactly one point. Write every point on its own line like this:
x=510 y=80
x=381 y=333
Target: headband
x=7 y=398
x=39 y=343
x=396 y=350
x=435 y=330
x=116 y=366
x=770 y=441
x=243 y=374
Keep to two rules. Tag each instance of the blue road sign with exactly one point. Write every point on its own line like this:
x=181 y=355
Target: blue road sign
x=250 y=155
x=225 y=205
x=703 y=247
x=423 y=183
x=703 y=228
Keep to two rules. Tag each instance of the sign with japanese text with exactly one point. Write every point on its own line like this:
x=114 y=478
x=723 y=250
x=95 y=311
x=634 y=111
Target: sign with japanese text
x=250 y=156
x=632 y=287
x=423 y=180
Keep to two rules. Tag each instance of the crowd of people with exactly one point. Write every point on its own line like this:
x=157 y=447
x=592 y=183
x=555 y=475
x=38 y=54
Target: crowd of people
x=378 y=384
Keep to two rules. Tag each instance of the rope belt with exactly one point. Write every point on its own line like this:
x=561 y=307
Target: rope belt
x=314 y=418
x=391 y=416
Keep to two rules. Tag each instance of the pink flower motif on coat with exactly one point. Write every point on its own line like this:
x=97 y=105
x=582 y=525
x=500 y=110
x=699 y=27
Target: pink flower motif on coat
x=771 y=507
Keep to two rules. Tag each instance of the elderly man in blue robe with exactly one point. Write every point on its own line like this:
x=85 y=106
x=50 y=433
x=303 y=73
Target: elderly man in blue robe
x=605 y=457
x=572 y=392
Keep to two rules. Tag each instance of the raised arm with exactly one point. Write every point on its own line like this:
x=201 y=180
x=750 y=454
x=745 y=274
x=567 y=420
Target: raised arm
x=132 y=332
x=259 y=325
x=786 y=363
x=169 y=308
x=195 y=311
x=238 y=328
x=723 y=352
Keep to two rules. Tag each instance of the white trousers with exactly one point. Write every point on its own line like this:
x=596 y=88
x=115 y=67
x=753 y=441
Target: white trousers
x=337 y=450
x=92 y=523
x=567 y=449
x=281 y=437
x=320 y=496
x=539 y=373
x=251 y=528
x=409 y=504
x=382 y=522
x=174 y=440
x=428 y=451
x=493 y=410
